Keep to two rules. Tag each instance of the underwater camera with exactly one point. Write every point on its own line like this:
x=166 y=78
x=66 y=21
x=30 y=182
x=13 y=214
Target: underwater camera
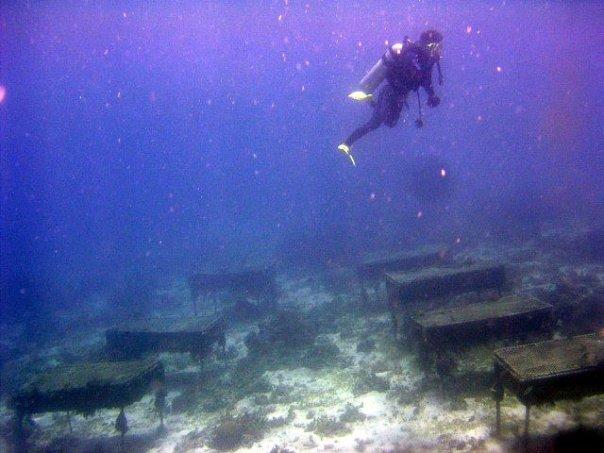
x=428 y=178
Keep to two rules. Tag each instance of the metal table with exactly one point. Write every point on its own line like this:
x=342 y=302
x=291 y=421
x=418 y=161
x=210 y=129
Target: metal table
x=547 y=371
x=374 y=265
x=257 y=282
x=408 y=288
x=195 y=335
x=87 y=387
x=470 y=323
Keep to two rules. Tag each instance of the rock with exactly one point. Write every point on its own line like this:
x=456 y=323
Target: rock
x=191 y=441
x=278 y=449
x=310 y=442
x=328 y=426
x=361 y=444
x=352 y=414
x=365 y=382
x=261 y=400
x=232 y=432
x=366 y=345
x=324 y=353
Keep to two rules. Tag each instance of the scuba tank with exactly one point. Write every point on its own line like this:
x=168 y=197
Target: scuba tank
x=374 y=77
x=392 y=58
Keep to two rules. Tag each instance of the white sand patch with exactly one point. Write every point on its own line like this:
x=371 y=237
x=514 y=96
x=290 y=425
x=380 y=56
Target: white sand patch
x=235 y=339
x=303 y=294
x=318 y=380
x=375 y=404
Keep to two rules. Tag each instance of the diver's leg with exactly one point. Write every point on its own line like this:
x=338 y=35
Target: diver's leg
x=363 y=130
x=395 y=108
x=384 y=105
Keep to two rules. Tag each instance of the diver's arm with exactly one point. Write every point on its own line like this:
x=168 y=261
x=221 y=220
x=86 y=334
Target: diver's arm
x=433 y=99
x=440 y=73
x=374 y=77
x=426 y=83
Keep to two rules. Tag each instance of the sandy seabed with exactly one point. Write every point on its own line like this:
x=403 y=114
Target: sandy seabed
x=351 y=387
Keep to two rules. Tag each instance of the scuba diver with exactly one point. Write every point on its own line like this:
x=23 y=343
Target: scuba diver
x=406 y=67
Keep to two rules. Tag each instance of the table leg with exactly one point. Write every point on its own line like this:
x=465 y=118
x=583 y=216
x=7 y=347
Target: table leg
x=498 y=397
x=527 y=413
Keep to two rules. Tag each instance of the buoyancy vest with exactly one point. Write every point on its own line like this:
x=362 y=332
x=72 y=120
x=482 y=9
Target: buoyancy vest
x=404 y=66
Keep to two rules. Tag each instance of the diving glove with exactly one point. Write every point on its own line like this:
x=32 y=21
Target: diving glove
x=360 y=96
x=345 y=149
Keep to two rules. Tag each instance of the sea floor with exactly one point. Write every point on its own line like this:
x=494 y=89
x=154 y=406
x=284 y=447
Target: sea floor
x=327 y=374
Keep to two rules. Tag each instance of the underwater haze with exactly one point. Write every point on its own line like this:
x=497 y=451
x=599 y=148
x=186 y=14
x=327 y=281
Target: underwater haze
x=142 y=142
x=155 y=136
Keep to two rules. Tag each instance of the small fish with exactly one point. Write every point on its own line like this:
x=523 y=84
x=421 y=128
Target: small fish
x=121 y=423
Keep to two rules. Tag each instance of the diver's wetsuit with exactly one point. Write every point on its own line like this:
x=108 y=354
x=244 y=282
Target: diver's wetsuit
x=386 y=110
x=409 y=72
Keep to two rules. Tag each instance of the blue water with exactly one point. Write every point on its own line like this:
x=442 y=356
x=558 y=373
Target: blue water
x=149 y=139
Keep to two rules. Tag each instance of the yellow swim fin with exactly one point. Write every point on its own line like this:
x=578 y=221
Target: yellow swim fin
x=345 y=149
x=360 y=96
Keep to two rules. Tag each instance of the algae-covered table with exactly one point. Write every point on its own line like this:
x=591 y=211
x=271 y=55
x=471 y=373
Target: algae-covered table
x=374 y=265
x=547 y=371
x=257 y=282
x=196 y=335
x=87 y=387
x=480 y=321
x=406 y=287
